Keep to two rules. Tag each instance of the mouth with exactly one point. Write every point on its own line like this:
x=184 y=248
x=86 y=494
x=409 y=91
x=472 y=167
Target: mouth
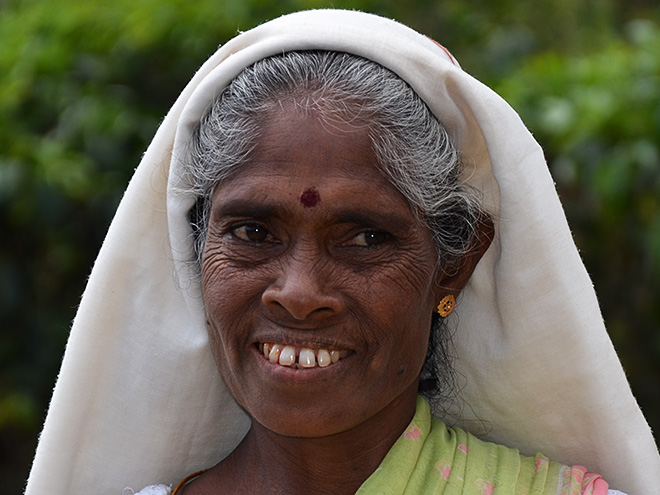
x=300 y=357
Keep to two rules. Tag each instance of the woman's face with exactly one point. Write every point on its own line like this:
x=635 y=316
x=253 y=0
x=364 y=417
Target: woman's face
x=312 y=255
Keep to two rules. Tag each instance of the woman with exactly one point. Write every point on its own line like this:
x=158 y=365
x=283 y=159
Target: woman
x=315 y=210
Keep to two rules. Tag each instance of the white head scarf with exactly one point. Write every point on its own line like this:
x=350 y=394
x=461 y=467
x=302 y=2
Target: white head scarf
x=139 y=399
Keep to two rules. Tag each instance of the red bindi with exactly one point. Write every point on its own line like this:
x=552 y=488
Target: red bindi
x=310 y=197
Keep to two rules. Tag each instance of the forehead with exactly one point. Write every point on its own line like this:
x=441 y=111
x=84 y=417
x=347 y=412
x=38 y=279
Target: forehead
x=291 y=136
x=304 y=158
x=299 y=143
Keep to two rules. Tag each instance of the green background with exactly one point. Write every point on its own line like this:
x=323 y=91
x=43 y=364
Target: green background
x=83 y=86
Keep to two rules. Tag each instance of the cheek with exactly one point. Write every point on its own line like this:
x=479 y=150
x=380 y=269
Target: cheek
x=401 y=314
x=226 y=285
x=406 y=292
x=410 y=345
x=228 y=295
x=227 y=324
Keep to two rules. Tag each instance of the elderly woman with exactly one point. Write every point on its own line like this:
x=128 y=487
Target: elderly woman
x=322 y=194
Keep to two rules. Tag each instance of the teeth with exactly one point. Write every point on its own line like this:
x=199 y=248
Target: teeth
x=274 y=353
x=306 y=358
x=286 y=355
x=324 y=358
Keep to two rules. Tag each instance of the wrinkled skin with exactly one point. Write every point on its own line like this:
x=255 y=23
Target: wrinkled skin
x=310 y=246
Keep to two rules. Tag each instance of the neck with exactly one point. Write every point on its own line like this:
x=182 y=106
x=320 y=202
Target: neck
x=266 y=462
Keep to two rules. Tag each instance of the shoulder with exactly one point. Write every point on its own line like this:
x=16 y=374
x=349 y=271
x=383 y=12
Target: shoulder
x=508 y=468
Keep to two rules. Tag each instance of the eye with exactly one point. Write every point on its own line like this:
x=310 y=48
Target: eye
x=252 y=233
x=369 y=239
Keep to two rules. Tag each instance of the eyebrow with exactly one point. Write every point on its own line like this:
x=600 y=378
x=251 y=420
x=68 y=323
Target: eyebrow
x=374 y=218
x=247 y=208
x=368 y=217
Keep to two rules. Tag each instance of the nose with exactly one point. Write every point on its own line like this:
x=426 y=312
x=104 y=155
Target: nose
x=303 y=288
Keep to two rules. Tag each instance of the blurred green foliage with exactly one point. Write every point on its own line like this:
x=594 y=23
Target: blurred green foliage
x=84 y=84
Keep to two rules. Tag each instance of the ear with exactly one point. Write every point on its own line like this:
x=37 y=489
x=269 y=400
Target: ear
x=454 y=281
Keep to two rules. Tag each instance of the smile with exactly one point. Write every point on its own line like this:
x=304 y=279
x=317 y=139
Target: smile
x=288 y=355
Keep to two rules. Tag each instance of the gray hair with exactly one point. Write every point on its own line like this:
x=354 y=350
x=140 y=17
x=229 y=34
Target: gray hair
x=412 y=147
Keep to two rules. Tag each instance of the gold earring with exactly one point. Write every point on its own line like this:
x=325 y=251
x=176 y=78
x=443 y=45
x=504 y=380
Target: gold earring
x=446 y=306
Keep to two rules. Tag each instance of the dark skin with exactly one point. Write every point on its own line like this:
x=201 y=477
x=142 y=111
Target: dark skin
x=319 y=252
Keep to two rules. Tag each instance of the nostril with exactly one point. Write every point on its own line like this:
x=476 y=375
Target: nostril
x=300 y=304
x=301 y=287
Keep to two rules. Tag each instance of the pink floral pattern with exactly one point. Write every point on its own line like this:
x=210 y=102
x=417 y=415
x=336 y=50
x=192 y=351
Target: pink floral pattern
x=577 y=481
x=486 y=487
x=540 y=462
x=413 y=433
x=443 y=468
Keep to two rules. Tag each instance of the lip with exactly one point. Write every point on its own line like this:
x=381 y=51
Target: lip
x=301 y=337
x=298 y=376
